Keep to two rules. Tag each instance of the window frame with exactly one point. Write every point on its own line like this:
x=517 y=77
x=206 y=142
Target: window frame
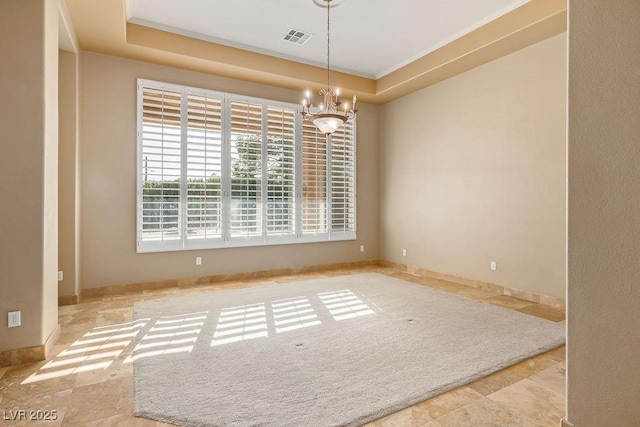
x=227 y=240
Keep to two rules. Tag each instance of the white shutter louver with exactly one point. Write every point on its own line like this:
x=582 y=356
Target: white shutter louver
x=246 y=169
x=314 y=180
x=161 y=166
x=280 y=171
x=343 y=203
x=204 y=167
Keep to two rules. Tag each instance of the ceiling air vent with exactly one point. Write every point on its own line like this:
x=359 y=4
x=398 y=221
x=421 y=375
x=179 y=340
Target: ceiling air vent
x=297 y=36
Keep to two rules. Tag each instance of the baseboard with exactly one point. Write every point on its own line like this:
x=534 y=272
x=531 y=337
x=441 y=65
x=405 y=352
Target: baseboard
x=566 y=423
x=30 y=354
x=22 y=355
x=51 y=341
x=68 y=300
x=480 y=284
x=416 y=271
x=203 y=280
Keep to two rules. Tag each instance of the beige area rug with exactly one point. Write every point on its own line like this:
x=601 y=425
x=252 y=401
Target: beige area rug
x=338 y=351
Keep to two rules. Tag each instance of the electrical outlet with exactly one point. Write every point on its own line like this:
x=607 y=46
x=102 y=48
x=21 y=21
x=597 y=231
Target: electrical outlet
x=60 y=276
x=493 y=266
x=198 y=260
x=404 y=252
x=14 y=319
x=361 y=248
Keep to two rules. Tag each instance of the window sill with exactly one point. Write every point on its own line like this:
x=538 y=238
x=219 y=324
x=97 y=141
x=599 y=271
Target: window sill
x=240 y=242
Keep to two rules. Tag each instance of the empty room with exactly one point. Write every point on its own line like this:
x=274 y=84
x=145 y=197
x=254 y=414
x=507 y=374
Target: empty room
x=319 y=213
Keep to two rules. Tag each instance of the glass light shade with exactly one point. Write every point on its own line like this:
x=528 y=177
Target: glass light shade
x=328 y=124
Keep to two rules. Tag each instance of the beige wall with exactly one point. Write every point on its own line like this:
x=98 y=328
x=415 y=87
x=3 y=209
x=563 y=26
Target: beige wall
x=473 y=170
x=603 y=365
x=108 y=183
x=68 y=183
x=28 y=164
x=50 y=249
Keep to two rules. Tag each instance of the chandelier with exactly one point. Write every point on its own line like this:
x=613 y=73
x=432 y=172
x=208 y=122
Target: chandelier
x=332 y=112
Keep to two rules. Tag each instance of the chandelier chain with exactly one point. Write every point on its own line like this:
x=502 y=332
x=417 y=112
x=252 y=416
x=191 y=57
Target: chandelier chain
x=328 y=44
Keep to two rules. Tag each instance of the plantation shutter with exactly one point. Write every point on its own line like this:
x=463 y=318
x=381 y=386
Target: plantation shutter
x=280 y=165
x=221 y=170
x=343 y=203
x=160 y=157
x=204 y=167
x=314 y=180
x=246 y=170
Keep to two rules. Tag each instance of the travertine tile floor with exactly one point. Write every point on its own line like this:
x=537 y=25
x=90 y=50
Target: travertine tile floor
x=88 y=381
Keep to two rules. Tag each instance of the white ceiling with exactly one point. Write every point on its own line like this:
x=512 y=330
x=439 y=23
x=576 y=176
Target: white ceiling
x=369 y=38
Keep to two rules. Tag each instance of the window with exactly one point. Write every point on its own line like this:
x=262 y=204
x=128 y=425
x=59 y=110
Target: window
x=222 y=170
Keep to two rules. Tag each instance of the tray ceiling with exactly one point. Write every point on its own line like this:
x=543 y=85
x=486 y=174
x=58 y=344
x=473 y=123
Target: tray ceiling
x=369 y=38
